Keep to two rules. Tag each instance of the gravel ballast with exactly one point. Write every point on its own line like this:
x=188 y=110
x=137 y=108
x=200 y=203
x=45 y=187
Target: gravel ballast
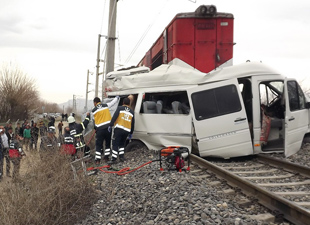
x=196 y=197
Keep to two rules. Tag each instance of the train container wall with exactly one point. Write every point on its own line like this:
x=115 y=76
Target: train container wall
x=213 y=43
x=205 y=44
x=181 y=41
x=202 y=42
x=225 y=40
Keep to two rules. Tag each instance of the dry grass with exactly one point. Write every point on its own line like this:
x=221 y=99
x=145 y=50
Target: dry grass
x=46 y=193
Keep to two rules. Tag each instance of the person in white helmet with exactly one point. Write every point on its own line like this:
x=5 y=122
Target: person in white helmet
x=50 y=142
x=76 y=131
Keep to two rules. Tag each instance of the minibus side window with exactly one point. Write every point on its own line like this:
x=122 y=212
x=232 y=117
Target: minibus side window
x=216 y=102
x=271 y=98
x=296 y=96
x=174 y=102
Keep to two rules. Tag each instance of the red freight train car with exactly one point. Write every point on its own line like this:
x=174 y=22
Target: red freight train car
x=203 y=39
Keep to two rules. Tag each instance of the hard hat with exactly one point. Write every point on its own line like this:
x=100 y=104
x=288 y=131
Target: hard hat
x=51 y=129
x=71 y=119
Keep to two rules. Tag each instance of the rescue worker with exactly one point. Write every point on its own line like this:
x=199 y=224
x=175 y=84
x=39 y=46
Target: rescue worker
x=76 y=131
x=49 y=142
x=123 y=121
x=15 y=153
x=68 y=147
x=102 y=119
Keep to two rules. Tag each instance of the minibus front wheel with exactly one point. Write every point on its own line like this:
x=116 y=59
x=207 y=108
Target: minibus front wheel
x=134 y=145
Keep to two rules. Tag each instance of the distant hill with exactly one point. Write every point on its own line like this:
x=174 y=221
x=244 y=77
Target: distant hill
x=80 y=106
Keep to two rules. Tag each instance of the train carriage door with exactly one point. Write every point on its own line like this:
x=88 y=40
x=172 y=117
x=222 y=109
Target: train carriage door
x=220 y=120
x=296 y=117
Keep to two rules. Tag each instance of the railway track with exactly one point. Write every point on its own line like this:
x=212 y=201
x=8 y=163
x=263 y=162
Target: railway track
x=281 y=186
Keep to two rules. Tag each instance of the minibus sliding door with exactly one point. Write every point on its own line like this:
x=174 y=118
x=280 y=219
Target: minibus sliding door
x=220 y=120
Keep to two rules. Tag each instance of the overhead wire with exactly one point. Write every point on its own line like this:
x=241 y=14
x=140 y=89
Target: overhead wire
x=144 y=34
x=138 y=43
x=104 y=5
x=103 y=49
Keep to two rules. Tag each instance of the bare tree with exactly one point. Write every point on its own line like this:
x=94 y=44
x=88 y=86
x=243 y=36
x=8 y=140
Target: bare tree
x=48 y=107
x=18 y=93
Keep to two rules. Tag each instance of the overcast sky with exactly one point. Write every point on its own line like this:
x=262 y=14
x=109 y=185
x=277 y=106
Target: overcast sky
x=55 y=42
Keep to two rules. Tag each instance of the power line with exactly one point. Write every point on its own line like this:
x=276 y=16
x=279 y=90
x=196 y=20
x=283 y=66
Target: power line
x=144 y=34
x=103 y=16
x=138 y=43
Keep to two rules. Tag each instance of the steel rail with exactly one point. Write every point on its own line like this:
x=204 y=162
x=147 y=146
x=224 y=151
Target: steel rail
x=285 y=165
x=290 y=211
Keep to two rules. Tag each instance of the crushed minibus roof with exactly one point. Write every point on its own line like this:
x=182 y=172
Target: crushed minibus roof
x=172 y=74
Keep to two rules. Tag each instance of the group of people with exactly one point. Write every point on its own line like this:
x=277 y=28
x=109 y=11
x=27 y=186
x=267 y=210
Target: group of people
x=110 y=128
x=25 y=137
x=64 y=117
x=122 y=125
x=10 y=151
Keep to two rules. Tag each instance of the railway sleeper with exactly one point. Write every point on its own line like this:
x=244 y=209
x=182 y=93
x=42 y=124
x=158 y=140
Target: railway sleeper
x=283 y=184
x=270 y=177
x=295 y=212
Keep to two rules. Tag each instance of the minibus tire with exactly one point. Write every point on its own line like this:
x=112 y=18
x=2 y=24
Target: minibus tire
x=134 y=145
x=306 y=139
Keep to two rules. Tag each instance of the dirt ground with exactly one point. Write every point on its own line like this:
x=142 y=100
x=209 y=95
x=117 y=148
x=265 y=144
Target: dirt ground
x=28 y=159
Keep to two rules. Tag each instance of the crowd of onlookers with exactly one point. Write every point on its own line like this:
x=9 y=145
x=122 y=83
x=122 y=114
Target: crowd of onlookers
x=15 y=141
x=30 y=132
x=72 y=143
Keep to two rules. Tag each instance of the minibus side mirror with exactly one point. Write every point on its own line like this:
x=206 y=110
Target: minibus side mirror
x=308 y=105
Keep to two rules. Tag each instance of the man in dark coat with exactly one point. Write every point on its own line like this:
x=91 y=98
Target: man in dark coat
x=76 y=131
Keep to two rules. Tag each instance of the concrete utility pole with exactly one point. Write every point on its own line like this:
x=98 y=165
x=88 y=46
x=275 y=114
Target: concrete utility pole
x=87 y=83
x=111 y=37
x=110 y=52
x=97 y=66
x=74 y=104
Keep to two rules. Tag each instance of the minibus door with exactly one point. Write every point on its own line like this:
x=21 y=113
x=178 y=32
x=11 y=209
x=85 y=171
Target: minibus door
x=220 y=119
x=296 y=113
